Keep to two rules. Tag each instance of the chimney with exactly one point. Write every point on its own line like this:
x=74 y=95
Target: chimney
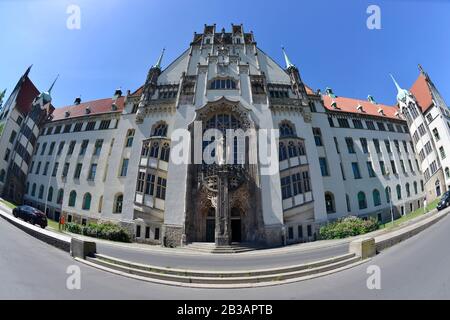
x=77 y=101
x=371 y=99
x=118 y=93
x=330 y=93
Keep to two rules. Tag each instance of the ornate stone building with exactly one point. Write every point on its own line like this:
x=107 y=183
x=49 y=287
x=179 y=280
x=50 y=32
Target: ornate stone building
x=299 y=158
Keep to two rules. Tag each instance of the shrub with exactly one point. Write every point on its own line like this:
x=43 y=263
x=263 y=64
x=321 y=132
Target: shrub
x=347 y=227
x=73 y=227
x=107 y=231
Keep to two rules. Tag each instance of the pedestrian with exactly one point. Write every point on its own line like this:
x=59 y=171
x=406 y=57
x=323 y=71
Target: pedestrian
x=425 y=204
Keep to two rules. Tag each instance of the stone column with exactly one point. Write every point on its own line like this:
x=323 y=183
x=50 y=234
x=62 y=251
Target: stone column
x=223 y=236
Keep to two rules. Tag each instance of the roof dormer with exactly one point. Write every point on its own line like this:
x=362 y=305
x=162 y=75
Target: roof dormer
x=360 y=108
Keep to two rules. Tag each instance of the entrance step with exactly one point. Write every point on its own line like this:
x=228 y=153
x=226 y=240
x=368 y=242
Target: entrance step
x=224 y=279
x=209 y=247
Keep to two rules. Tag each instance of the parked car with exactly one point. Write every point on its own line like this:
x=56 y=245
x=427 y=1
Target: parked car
x=445 y=201
x=31 y=215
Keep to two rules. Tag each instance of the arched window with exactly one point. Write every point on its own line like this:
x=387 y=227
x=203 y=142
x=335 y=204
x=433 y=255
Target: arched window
x=87 y=201
x=282 y=152
x=118 y=203
x=376 y=198
x=72 y=198
x=41 y=192
x=388 y=194
x=362 y=200
x=33 y=190
x=2 y=175
x=408 y=190
x=100 y=204
x=329 y=202
x=59 y=199
x=50 y=194
x=415 y=187
x=154 y=150
x=160 y=130
x=286 y=130
x=165 y=152
x=293 y=151
x=399 y=192
x=422 y=186
x=438 y=188
x=447 y=172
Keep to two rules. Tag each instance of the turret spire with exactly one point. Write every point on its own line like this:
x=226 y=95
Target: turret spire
x=401 y=93
x=51 y=87
x=158 y=63
x=286 y=59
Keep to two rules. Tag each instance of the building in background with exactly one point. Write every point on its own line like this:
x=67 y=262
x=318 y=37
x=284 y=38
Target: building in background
x=110 y=159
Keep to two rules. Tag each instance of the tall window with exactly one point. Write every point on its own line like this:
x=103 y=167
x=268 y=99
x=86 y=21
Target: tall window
x=161 y=188
x=282 y=154
x=436 y=134
x=55 y=169
x=350 y=146
x=356 y=172
x=33 y=190
x=362 y=202
x=388 y=146
x=399 y=192
x=364 y=146
x=317 y=136
x=165 y=152
x=388 y=194
x=124 y=168
x=52 y=148
x=60 y=147
x=71 y=147
x=286 y=191
x=408 y=190
x=376 y=143
x=415 y=187
x=323 y=166
x=376 y=198
x=59 y=198
x=329 y=202
x=98 y=147
x=118 y=203
x=41 y=192
x=50 y=194
x=130 y=137
x=72 y=198
x=84 y=146
x=370 y=169
x=77 y=173
x=2 y=175
x=92 y=171
x=154 y=150
x=87 y=201
x=150 y=184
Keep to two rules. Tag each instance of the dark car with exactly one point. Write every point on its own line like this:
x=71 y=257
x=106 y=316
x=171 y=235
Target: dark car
x=444 y=202
x=31 y=215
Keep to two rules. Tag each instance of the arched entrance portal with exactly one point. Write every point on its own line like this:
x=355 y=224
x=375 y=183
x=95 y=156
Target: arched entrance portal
x=438 y=188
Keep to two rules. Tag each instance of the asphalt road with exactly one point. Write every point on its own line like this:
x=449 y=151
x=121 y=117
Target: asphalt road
x=418 y=268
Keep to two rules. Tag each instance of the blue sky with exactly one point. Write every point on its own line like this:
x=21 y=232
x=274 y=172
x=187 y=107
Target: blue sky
x=328 y=40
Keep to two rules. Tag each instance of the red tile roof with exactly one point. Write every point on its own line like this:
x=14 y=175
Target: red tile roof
x=422 y=93
x=26 y=95
x=96 y=107
x=368 y=108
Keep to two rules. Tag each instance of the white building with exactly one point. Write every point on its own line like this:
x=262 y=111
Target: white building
x=116 y=159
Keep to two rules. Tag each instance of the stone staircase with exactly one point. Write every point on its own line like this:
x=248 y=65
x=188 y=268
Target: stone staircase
x=225 y=278
x=209 y=247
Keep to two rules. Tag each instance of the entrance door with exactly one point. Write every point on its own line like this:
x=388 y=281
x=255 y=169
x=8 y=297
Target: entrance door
x=210 y=230
x=236 y=230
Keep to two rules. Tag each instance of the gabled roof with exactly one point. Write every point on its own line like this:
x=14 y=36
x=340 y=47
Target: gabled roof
x=96 y=107
x=350 y=105
x=421 y=91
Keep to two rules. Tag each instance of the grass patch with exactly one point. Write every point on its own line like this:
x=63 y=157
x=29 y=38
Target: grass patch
x=8 y=204
x=416 y=213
